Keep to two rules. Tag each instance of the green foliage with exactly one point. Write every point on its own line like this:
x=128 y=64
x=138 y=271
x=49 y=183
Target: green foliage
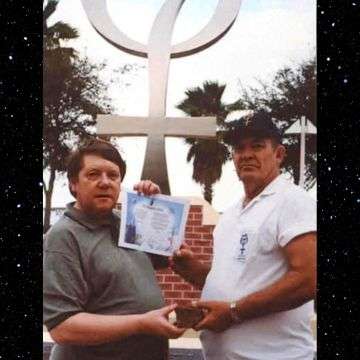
x=208 y=156
x=205 y=101
x=73 y=94
x=52 y=35
x=289 y=96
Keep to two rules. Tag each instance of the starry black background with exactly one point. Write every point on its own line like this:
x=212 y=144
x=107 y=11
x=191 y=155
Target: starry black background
x=338 y=179
x=21 y=188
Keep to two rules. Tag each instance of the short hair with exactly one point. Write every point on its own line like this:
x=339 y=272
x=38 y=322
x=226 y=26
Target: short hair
x=97 y=147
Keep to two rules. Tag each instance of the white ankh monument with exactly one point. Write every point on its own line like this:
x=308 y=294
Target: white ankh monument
x=159 y=51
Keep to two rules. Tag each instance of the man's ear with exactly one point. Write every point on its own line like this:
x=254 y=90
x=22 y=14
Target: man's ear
x=72 y=188
x=280 y=153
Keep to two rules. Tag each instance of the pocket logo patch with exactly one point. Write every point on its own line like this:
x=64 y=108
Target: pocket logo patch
x=244 y=239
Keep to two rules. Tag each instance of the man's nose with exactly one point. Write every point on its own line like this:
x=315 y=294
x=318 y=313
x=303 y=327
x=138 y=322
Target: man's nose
x=246 y=153
x=104 y=180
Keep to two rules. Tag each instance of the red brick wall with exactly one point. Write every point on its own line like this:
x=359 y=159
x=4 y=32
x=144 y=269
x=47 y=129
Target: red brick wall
x=199 y=238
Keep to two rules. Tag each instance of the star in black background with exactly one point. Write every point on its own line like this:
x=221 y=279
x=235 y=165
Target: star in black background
x=338 y=179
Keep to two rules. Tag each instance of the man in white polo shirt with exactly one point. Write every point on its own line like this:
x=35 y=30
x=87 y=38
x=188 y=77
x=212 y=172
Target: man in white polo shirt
x=257 y=294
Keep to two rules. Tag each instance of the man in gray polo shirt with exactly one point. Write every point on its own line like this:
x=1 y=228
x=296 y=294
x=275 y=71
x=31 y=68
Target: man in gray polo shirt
x=101 y=301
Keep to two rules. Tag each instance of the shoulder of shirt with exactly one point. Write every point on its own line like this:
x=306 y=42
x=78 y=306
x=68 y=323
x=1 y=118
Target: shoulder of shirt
x=61 y=232
x=294 y=192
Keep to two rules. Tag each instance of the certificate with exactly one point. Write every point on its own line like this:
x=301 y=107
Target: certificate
x=154 y=224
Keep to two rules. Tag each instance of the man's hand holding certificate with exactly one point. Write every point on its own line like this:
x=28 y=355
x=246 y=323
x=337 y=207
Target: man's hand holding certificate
x=155 y=224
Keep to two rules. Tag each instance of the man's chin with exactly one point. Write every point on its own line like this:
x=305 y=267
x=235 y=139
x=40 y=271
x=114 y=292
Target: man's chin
x=104 y=207
x=101 y=211
x=247 y=175
x=104 y=201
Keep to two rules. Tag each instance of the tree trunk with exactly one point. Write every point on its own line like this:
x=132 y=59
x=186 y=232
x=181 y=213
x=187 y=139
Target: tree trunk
x=48 y=196
x=208 y=192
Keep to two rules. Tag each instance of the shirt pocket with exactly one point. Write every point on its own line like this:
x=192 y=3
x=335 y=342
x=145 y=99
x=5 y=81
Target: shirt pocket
x=267 y=239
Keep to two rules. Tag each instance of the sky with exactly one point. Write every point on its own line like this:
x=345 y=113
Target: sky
x=267 y=35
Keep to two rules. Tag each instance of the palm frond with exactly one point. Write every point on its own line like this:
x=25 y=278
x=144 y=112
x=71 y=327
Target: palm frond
x=63 y=31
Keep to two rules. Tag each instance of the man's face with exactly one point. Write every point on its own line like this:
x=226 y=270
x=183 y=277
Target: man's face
x=97 y=187
x=257 y=160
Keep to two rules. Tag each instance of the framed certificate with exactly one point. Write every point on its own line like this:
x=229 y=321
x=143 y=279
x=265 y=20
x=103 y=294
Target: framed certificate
x=154 y=224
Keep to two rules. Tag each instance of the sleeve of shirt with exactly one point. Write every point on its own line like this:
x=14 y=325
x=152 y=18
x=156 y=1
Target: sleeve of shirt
x=64 y=287
x=297 y=217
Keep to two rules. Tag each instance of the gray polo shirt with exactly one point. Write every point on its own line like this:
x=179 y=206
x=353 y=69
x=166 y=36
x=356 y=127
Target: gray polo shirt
x=85 y=271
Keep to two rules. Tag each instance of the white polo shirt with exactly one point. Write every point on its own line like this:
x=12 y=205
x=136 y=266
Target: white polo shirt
x=248 y=258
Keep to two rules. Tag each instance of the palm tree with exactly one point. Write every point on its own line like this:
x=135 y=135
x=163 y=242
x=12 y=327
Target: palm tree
x=73 y=95
x=57 y=63
x=52 y=35
x=57 y=58
x=57 y=67
x=208 y=156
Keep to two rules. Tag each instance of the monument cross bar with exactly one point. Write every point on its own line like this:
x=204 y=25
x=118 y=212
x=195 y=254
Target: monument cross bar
x=115 y=125
x=156 y=128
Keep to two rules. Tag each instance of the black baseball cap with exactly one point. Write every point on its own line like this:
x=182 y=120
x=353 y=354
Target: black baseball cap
x=258 y=124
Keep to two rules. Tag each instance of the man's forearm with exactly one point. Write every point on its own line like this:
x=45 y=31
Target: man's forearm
x=93 y=329
x=289 y=292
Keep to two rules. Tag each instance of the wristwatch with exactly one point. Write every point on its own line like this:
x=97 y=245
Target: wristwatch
x=234 y=313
